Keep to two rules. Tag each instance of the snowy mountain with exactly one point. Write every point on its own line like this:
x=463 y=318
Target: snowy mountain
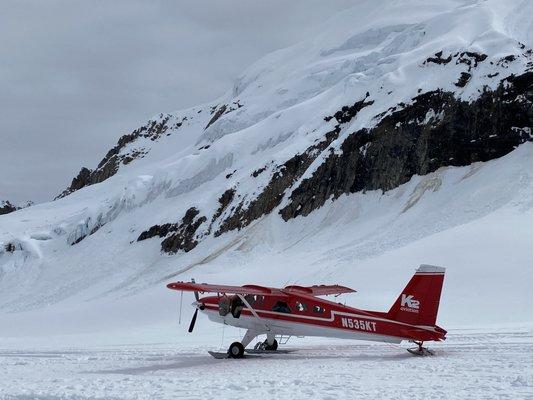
x=403 y=127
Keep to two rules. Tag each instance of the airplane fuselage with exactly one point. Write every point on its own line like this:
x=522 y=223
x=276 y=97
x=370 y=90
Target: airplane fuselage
x=297 y=315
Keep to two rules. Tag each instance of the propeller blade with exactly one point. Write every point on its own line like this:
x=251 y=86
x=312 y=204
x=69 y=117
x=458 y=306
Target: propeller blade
x=193 y=321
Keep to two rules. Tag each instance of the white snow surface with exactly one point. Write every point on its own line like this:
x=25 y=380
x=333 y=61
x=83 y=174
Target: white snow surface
x=470 y=365
x=95 y=320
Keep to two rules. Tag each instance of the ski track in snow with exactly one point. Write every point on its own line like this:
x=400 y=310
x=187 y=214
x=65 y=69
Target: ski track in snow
x=469 y=365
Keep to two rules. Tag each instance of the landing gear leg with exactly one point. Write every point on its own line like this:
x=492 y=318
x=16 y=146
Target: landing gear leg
x=420 y=351
x=270 y=344
x=236 y=349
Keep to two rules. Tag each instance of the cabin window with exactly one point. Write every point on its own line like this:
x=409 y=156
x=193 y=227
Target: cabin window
x=253 y=299
x=302 y=307
x=281 y=307
x=319 y=310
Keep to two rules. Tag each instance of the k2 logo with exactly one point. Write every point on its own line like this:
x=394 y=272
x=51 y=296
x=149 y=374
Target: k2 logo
x=409 y=301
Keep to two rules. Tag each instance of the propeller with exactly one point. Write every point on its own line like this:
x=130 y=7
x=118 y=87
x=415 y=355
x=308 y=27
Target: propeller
x=199 y=306
x=193 y=321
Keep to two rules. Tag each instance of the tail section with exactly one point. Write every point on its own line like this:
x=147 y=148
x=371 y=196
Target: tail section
x=418 y=304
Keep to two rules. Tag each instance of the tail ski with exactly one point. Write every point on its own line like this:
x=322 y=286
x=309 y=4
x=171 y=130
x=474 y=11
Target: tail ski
x=418 y=303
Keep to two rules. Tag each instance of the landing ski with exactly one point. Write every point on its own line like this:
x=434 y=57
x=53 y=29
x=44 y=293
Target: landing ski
x=259 y=351
x=423 y=352
x=218 y=354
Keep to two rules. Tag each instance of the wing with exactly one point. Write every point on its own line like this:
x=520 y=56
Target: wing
x=205 y=287
x=319 y=290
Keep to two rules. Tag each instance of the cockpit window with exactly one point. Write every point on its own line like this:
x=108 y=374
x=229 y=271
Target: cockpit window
x=302 y=307
x=281 y=307
x=236 y=306
x=231 y=304
x=318 y=310
x=224 y=305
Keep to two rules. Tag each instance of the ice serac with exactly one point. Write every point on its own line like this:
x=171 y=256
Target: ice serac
x=391 y=106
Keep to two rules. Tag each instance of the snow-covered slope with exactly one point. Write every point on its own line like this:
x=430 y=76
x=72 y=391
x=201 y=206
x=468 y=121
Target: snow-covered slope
x=387 y=141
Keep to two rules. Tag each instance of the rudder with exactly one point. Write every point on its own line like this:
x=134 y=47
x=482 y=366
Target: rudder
x=418 y=303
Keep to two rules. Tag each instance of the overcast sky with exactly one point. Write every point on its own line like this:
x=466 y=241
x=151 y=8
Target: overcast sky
x=76 y=75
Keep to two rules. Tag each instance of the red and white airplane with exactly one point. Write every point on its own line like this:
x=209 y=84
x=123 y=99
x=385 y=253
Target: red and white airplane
x=298 y=311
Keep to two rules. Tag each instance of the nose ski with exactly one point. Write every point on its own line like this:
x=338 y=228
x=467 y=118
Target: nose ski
x=247 y=353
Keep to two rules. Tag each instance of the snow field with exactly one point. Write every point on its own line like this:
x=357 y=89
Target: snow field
x=470 y=364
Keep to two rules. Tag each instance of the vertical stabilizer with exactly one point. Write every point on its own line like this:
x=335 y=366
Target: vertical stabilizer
x=418 y=303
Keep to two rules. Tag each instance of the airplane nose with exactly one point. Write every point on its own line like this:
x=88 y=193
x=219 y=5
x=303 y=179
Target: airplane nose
x=198 y=304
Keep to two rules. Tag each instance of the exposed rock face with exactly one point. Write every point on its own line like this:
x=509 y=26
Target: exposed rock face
x=84 y=178
x=347 y=113
x=287 y=174
x=463 y=79
x=218 y=112
x=469 y=58
x=110 y=164
x=10 y=248
x=178 y=236
x=224 y=201
x=435 y=130
x=438 y=59
x=6 y=207
x=217 y=115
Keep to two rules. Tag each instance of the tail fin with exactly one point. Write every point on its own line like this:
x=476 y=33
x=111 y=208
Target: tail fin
x=418 y=304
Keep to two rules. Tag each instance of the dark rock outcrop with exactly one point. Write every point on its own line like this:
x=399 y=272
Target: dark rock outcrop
x=224 y=201
x=347 y=113
x=178 y=236
x=438 y=59
x=10 y=248
x=110 y=164
x=463 y=79
x=271 y=196
x=469 y=58
x=219 y=113
x=435 y=130
x=6 y=207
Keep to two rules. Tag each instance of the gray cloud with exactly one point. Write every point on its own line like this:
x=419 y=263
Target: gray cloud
x=76 y=75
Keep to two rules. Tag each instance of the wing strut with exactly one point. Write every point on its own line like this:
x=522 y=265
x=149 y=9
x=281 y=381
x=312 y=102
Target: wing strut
x=254 y=313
